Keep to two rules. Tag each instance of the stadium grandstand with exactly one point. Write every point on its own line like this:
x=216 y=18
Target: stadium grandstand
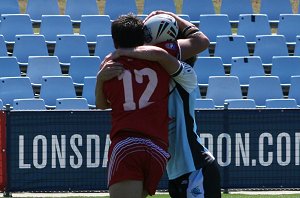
x=54 y=139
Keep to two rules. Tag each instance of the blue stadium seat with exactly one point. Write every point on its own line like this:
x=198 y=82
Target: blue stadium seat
x=9 y=67
x=13 y=24
x=1 y=105
x=184 y=16
x=82 y=66
x=37 y=8
x=204 y=104
x=281 y=103
x=234 y=8
x=71 y=104
x=114 y=8
x=194 y=8
x=76 y=8
x=294 y=89
x=15 y=88
x=228 y=46
x=244 y=67
x=93 y=25
x=88 y=90
x=29 y=104
x=274 y=8
x=204 y=53
x=29 y=45
x=221 y=88
x=284 y=67
x=152 y=5
x=3 y=48
x=104 y=46
x=9 y=7
x=39 y=66
x=208 y=66
x=68 y=45
x=297 y=46
x=264 y=87
x=213 y=25
x=240 y=103
x=62 y=24
x=251 y=25
x=289 y=27
x=54 y=87
x=267 y=46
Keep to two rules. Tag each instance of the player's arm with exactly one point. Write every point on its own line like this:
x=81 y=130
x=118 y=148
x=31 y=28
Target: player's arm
x=108 y=71
x=191 y=40
x=150 y=53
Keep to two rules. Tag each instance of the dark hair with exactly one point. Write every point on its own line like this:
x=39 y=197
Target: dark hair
x=127 y=31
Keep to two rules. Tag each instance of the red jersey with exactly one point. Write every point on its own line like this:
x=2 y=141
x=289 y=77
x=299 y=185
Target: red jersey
x=139 y=99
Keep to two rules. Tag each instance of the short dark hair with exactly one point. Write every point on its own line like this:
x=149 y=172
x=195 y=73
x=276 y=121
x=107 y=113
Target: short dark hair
x=127 y=31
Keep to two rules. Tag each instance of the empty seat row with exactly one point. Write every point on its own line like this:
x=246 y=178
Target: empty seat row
x=260 y=88
x=194 y=8
x=52 y=87
x=245 y=66
x=246 y=103
x=66 y=45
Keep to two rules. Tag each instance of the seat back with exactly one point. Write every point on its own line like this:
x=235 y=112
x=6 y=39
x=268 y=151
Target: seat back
x=244 y=67
x=234 y=8
x=208 y=66
x=29 y=104
x=275 y=7
x=88 y=90
x=76 y=8
x=9 y=7
x=71 y=103
x=82 y=66
x=284 y=67
x=221 y=88
x=294 y=89
x=13 y=24
x=194 y=8
x=37 y=8
x=9 y=67
x=62 y=24
x=93 y=25
x=114 y=8
x=251 y=25
x=240 y=103
x=264 y=87
x=54 y=87
x=15 y=88
x=204 y=104
x=3 y=48
x=29 y=45
x=281 y=103
x=68 y=45
x=104 y=46
x=267 y=46
x=213 y=25
x=289 y=26
x=152 y=5
x=39 y=66
x=228 y=46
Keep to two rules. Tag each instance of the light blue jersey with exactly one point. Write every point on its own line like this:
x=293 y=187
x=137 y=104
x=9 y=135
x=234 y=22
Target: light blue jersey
x=184 y=143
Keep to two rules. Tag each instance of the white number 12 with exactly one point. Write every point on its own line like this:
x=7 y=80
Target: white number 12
x=128 y=89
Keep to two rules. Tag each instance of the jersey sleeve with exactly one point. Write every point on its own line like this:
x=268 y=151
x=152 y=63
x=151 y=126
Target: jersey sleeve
x=186 y=77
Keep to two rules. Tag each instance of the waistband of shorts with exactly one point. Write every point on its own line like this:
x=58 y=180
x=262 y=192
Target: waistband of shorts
x=126 y=133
